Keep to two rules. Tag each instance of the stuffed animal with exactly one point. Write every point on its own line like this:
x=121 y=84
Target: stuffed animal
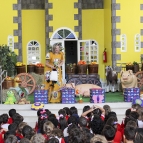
x=23 y=101
x=128 y=79
x=111 y=77
x=83 y=89
x=10 y=98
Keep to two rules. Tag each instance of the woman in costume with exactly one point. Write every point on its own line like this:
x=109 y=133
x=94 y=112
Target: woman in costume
x=54 y=61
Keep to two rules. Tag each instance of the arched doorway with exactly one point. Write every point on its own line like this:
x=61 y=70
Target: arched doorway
x=69 y=42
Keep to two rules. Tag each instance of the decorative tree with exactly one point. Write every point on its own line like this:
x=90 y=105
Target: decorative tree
x=8 y=60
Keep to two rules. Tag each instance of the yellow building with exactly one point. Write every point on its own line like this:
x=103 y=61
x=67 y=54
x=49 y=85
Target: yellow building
x=112 y=24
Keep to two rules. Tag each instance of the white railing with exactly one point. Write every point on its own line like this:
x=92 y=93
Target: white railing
x=3 y=75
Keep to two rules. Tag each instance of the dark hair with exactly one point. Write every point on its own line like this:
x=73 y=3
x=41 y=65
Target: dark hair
x=73 y=110
x=62 y=122
x=112 y=121
x=140 y=112
x=54 y=121
x=107 y=109
x=11 y=112
x=51 y=116
x=62 y=111
x=127 y=119
x=77 y=136
x=1 y=119
x=132 y=124
x=82 y=122
x=88 y=135
x=139 y=135
x=52 y=140
x=97 y=124
x=73 y=120
x=129 y=133
x=67 y=110
x=8 y=133
x=5 y=118
x=40 y=124
x=109 y=132
x=17 y=118
x=12 y=127
x=24 y=140
x=134 y=115
x=127 y=113
x=27 y=132
x=136 y=106
x=70 y=127
x=48 y=111
x=97 y=111
x=11 y=139
x=86 y=108
x=38 y=112
x=110 y=114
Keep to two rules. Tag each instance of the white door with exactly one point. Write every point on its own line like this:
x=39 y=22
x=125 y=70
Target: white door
x=88 y=51
x=52 y=42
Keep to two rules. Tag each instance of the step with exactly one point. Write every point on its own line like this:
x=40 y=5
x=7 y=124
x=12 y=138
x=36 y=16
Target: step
x=30 y=116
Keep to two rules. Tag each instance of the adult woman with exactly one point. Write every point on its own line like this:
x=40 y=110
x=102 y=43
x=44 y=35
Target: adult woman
x=54 y=61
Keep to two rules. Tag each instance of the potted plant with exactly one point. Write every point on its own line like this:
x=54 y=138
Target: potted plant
x=8 y=60
x=80 y=96
x=136 y=67
x=129 y=66
x=71 y=68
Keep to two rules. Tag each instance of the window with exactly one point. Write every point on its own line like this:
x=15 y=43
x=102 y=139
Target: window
x=137 y=43
x=88 y=51
x=33 y=52
x=64 y=34
x=123 y=43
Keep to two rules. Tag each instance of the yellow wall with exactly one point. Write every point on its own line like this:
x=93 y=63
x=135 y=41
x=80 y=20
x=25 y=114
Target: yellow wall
x=33 y=28
x=130 y=25
x=93 y=28
x=63 y=15
x=107 y=30
x=6 y=20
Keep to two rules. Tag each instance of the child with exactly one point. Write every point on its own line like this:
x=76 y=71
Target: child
x=11 y=113
x=27 y=132
x=62 y=120
x=57 y=133
x=95 y=110
x=38 y=138
x=19 y=132
x=47 y=129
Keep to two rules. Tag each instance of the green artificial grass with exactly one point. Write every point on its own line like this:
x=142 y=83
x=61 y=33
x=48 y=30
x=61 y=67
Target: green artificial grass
x=109 y=97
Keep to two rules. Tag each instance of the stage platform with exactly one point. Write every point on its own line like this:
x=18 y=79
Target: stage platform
x=30 y=116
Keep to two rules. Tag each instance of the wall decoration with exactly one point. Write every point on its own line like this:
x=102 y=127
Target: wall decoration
x=137 y=43
x=10 y=42
x=33 y=52
x=123 y=43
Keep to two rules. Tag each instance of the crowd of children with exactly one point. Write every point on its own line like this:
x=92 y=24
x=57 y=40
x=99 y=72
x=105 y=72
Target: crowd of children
x=95 y=125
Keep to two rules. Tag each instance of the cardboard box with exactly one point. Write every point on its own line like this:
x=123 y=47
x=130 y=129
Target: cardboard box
x=130 y=93
x=68 y=96
x=137 y=101
x=97 y=95
x=41 y=96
